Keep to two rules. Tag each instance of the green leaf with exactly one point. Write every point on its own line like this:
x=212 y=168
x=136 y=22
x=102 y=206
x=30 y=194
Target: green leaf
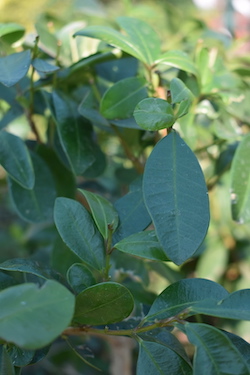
x=182 y=295
x=234 y=306
x=180 y=94
x=79 y=277
x=31 y=317
x=119 y=100
x=103 y=212
x=16 y=160
x=177 y=59
x=14 y=67
x=103 y=303
x=35 y=205
x=75 y=134
x=240 y=182
x=6 y=366
x=20 y=357
x=154 y=114
x=143 y=244
x=43 y=66
x=215 y=353
x=27 y=266
x=141 y=40
x=159 y=358
x=176 y=197
x=78 y=231
x=242 y=345
x=11 y=32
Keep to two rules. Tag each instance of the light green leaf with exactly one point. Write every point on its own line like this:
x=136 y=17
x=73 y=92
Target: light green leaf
x=119 y=100
x=143 y=244
x=16 y=160
x=176 y=197
x=31 y=317
x=178 y=59
x=103 y=303
x=154 y=114
x=182 y=95
x=141 y=41
x=43 y=66
x=103 y=212
x=11 y=32
x=215 y=353
x=14 y=67
x=35 y=205
x=79 y=232
x=79 y=277
x=240 y=182
x=183 y=294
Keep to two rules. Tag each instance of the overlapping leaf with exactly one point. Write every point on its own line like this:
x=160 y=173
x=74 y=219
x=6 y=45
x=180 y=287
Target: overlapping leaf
x=14 y=67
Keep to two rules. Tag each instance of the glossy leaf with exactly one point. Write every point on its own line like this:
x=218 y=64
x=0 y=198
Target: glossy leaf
x=178 y=59
x=79 y=277
x=154 y=114
x=240 y=182
x=27 y=266
x=103 y=303
x=14 y=67
x=43 y=66
x=175 y=194
x=215 y=353
x=183 y=295
x=20 y=357
x=141 y=41
x=120 y=99
x=234 y=306
x=79 y=232
x=11 y=32
x=27 y=322
x=35 y=205
x=103 y=212
x=142 y=244
x=16 y=160
x=74 y=133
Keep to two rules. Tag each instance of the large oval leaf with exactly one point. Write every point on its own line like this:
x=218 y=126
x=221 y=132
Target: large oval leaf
x=175 y=194
x=119 y=100
x=31 y=317
x=103 y=303
x=15 y=159
x=14 y=67
x=79 y=232
x=240 y=182
x=215 y=353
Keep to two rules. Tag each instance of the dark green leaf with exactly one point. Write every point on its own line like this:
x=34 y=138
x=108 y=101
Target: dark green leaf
x=43 y=66
x=119 y=100
x=241 y=345
x=175 y=194
x=240 y=182
x=20 y=357
x=6 y=366
x=182 y=295
x=31 y=317
x=154 y=114
x=103 y=212
x=143 y=244
x=215 y=353
x=89 y=109
x=178 y=59
x=15 y=159
x=27 y=266
x=14 y=67
x=6 y=280
x=103 y=303
x=78 y=231
x=35 y=205
x=80 y=277
x=11 y=32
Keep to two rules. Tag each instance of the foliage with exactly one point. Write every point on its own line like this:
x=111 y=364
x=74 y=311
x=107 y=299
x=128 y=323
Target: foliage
x=111 y=181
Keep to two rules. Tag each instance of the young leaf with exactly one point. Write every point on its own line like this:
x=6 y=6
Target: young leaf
x=119 y=100
x=31 y=317
x=177 y=59
x=154 y=114
x=35 y=205
x=78 y=231
x=180 y=94
x=240 y=182
x=14 y=67
x=79 y=277
x=215 y=353
x=11 y=32
x=103 y=303
x=141 y=40
x=16 y=160
x=103 y=212
x=175 y=194
x=143 y=244
x=184 y=294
